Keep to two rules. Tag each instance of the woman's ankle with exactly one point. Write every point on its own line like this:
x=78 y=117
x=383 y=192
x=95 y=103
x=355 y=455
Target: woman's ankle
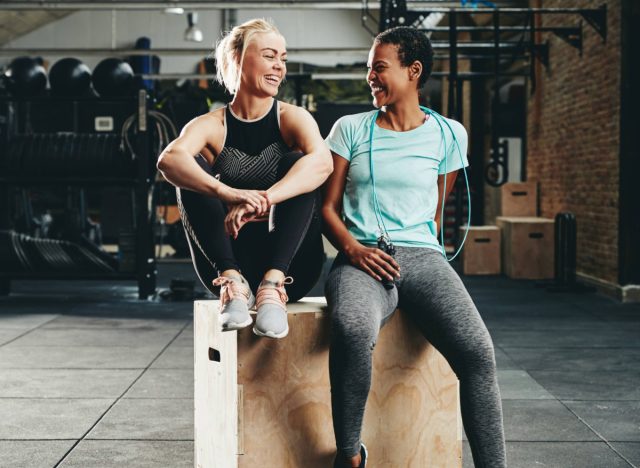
x=231 y=274
x=274 y=276
x=353 y=462
x=343 y=460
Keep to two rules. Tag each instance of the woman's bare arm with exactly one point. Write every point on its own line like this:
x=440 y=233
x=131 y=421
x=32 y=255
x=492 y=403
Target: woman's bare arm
x=310 y=171
x=177 y=164
x=451 y=180
x=373 y=261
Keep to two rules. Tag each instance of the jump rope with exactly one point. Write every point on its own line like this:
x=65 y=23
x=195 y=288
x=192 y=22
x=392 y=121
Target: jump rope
x=384 y=241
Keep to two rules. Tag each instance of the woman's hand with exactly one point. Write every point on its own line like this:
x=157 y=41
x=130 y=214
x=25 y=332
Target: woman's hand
x=257 y=199
x=373 y=261
x=237 y=217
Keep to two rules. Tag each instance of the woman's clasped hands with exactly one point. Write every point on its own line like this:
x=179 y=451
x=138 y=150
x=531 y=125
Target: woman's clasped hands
x=244 y=206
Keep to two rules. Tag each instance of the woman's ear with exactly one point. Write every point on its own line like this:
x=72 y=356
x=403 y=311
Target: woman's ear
x=415 y=70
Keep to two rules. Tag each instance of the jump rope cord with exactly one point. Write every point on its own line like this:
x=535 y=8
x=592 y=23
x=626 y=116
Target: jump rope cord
x=381 y=227
x=378 y=212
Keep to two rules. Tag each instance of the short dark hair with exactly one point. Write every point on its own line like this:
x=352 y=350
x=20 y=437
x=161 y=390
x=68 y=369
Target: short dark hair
x=412 y=45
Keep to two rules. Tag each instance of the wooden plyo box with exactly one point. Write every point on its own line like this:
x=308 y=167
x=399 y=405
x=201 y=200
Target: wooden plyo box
x=527 y=247
x=481 y=252
x=267 y=403
x=519 y=199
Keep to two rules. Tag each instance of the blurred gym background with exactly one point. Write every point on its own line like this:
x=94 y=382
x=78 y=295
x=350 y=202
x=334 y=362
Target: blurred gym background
x=96 y=324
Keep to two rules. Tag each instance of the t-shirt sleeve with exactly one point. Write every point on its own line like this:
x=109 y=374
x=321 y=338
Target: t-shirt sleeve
x=455 y=149
x=340 y=139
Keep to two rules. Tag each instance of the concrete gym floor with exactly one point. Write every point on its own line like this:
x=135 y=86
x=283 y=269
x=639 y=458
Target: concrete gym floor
x=90 y=377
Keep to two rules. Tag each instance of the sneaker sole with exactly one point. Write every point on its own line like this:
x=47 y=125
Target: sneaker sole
x=269 y=334
x=232 y=326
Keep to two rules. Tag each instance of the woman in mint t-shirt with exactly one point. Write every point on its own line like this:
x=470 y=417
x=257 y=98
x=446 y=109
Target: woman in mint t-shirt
x=389 y=252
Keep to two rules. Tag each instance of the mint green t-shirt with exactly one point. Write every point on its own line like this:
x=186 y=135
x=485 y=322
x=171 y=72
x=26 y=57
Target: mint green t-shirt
x=406 y=166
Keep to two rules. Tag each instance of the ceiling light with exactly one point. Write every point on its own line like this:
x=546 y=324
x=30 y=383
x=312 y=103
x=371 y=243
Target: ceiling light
x=174 y=10
x=193 y=33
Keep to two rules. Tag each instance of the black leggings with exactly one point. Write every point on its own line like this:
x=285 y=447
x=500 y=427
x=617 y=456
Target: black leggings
x=294 y=246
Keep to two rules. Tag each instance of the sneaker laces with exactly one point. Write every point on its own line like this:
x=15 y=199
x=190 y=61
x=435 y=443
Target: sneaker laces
x=276 y=295
x=231 y=288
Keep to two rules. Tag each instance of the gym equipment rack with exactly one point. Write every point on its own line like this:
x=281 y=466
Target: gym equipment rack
x=18 y=166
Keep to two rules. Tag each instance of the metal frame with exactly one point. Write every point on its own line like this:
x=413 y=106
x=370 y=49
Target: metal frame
x=187 y=5
x=145 y=271
x=399 y=12
x=204 y=5
x=629 y=189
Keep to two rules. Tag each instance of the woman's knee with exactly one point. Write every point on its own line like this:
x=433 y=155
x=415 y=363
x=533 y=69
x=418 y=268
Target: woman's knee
x=476 y=352
x=352 y=333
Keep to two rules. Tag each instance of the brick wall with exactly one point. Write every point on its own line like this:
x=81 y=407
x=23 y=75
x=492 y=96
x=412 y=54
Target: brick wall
x=573 y=133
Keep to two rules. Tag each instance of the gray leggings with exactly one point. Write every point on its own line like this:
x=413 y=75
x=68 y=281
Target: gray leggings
x=431 y=292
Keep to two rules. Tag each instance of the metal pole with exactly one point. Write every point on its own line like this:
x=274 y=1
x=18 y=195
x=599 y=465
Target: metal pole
x=145 y=258
x=496 y=87
x=453 y=64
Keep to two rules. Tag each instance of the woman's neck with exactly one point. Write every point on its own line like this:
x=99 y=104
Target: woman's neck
x=401 y=116
x=250 y=107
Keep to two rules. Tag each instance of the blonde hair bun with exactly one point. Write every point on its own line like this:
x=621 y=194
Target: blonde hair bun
x=229 y=52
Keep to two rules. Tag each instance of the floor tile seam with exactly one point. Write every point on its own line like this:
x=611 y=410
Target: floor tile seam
x=569 y=347
x=555 y=441
x=93 y=398
x=562 y=400
x=77 y=346
x=598 y=434
x=172 y=368
x=157 y=398
x=155 y=368
x=36 y=440
x=493 y=328
x=558 y=369
x=73 y=368
x=54 y=398
x=90 y=368
x=87 y=346
x=599 y=371
x=514 y=441
x=506 y=327
x=139 y=440
x=104 y=413
x=552 y=441
x=602 y=400
x=565 y=406
x=545 y=321
x=28 y=331
x=136 y=329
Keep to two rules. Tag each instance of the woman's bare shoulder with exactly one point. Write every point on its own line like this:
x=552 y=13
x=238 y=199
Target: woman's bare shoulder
x=209 y=125
x=214 y=117
x=290 y=110
x=295 y=116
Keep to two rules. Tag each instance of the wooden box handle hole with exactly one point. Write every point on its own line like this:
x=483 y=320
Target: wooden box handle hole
x=214 y=355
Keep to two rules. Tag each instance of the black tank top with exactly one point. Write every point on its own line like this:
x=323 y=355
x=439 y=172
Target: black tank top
x=251 y=151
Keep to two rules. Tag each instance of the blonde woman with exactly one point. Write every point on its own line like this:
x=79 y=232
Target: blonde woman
x=232 y=165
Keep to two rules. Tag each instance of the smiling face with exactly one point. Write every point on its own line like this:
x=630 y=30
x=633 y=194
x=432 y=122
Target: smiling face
x=264 y=64
x=388 y=79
